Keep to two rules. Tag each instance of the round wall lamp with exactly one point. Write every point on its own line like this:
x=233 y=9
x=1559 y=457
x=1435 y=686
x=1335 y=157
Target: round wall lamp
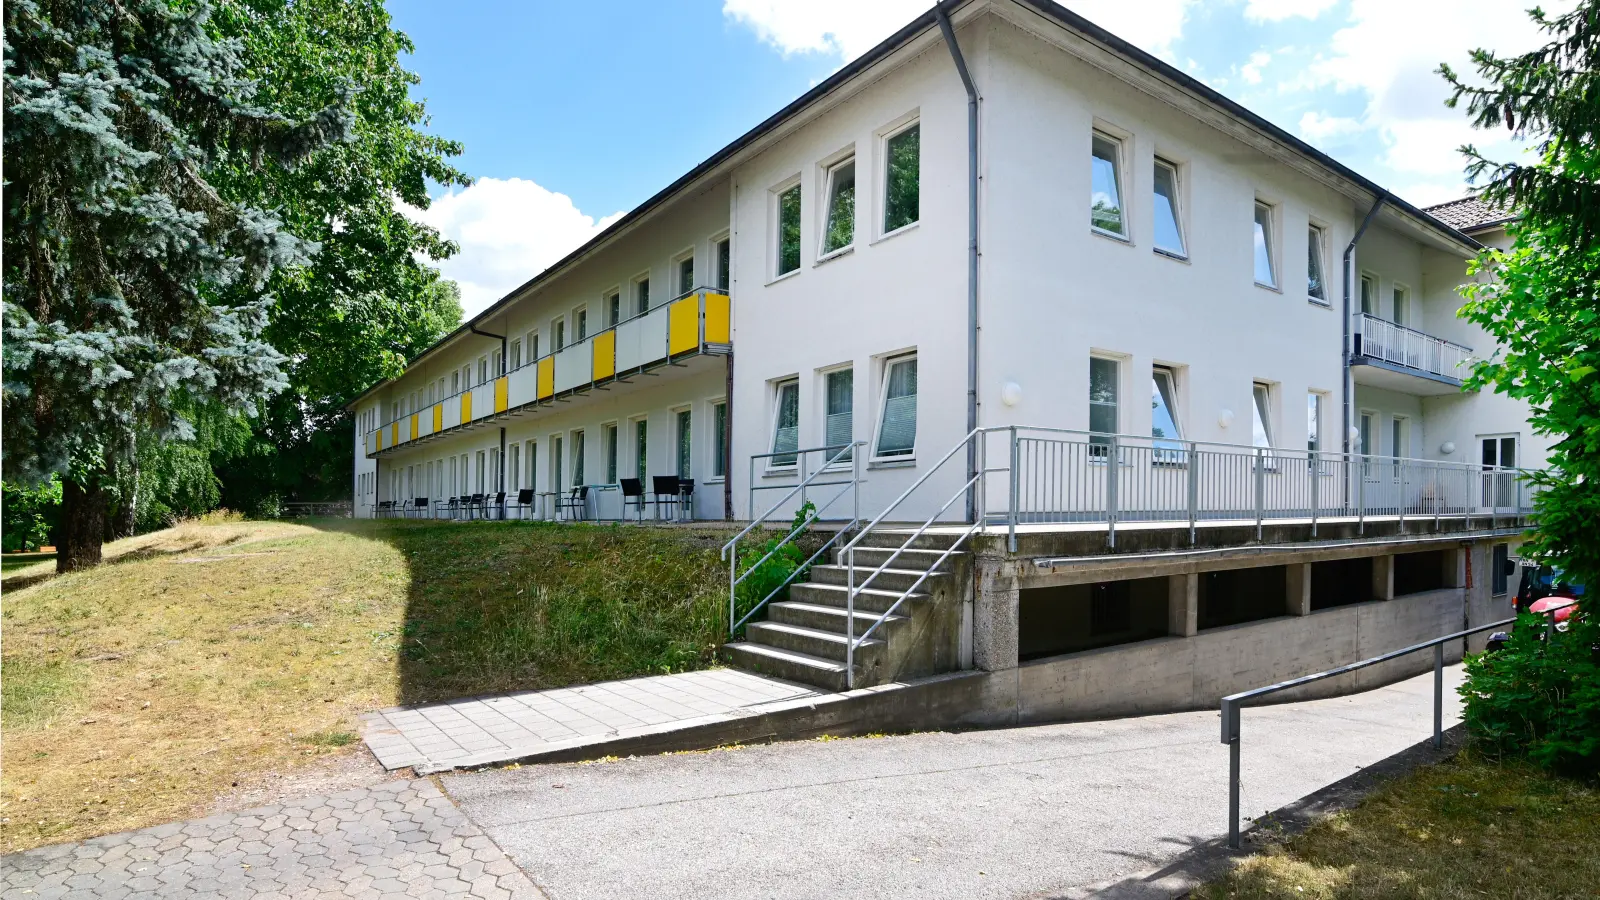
x=1447 y=448
x=1355 y=434
x=1011 y=393
x=1225 y=418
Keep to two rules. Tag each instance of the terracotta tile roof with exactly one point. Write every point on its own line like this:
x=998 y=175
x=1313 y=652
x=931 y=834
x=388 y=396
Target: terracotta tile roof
x=1468 y=213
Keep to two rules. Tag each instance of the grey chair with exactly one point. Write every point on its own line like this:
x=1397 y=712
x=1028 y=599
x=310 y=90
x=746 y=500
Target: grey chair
x=633 y=491
x=665 y=490
x=575 y=502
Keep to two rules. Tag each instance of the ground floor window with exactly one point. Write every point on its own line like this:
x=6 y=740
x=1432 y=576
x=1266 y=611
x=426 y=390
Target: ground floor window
x=897 y=424
x=685 y=443
x=839 y=416
x=1500 y=577
x=577 y=458
x=719 y=439
x=786 y=424
x=611 y=453
x=641 y=450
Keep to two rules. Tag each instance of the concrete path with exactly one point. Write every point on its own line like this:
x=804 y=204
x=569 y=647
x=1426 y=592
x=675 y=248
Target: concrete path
x=480 y=730
x=1027 y=812
x=402 y=839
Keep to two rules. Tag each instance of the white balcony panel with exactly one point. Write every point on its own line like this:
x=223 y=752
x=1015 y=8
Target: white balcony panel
x=521 y=385
x=1397 y=344
x=643 y=340
x=574 y=366
x=483 y=400
x=452 y=412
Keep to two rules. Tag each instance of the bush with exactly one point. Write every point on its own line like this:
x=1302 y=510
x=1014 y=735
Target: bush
x=1538 y=699
x=786 y=560
x=29 y=514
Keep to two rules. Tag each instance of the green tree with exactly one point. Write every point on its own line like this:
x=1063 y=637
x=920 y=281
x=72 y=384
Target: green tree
x=132 y=288
x=368 y=302
x=1540 y=300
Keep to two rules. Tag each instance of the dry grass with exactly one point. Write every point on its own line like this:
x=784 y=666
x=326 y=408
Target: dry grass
x=1470 y=827
x=205 y=659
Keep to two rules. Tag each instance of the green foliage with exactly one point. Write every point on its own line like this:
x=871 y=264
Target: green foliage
x=1540 y=699
x=787 y=559
x=176 y=480
x=29 y=514
x=1540 y=301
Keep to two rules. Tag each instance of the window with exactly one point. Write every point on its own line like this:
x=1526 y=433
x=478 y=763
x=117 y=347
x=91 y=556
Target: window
x=1104 y=375
x=902 y=153
x=1400 y=311
x=785 y=424
x=685 y=436
x=494 y=471
x=532 y=453
x=724 y=263
x=577 y=459
x=641 y=446
x=719 y=439
x=1499 y=488
x=1369 y=295
x=1169 y=224
x=580 y=321
x=1164 y=409
x=429 y=400
x=533 y=346
x=558 y=335
x=495 y=360
x=1261 y=415
x=1499 y=578
x=641 y=295
x=788 y=230
x=483 y=369
x=555 y=462
x=613 y=304
x=514 y=465
x=516 y=354
x=1364 y=434
x=611 y=442
x=1316 y=284
x=1397 y=438
x=838 y=425
x=1313 y=421
x=1501 y=452
x=897 y=427
x=478 y=485
x=1105 y=191
x=686 y=275
x=1266 y=253
x=839 y=225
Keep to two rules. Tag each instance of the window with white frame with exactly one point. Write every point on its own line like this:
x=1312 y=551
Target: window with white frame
x=1105 y=187
x=786 y=219
x=577 y=459
x=1369 y=294
x=531 y=452
x=557 y=464
x=839 y=220
x=495 y=367
x=641 y=295
x=514 y=465
x=580 y=323
x=686 y=274
x=897 y=422
x=533 y=346
x=1398 y=435
x=516 y=354
x=611 y=438
x=719 y=439
x=1261 y=424
x=1164 y=424
x=724 y=263
x=902 y=177
x=1105 y=419
x=1401 y=310
x=785 y=423
x=684 y=420
x=641 y=450
x=613 y=306
x=838 y=427
x=1266 y=251
x=481 y=471
x=483 y=369
x=1314 y=421
x=495 y=471
x=1168 y=211
x=1316 y=250
x=558 y=335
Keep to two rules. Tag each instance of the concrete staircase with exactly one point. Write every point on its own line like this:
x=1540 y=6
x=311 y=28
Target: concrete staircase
x=803 y=638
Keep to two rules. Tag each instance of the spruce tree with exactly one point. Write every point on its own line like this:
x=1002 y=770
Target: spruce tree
x=132 y=288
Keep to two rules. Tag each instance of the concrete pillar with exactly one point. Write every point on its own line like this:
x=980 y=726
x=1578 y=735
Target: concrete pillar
x=1299 y=592
x=1455 y=568
x=1183 y=604
x=994 y=615
x=1383 y=577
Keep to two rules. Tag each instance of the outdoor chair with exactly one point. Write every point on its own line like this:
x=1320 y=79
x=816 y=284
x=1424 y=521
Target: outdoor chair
x=381 y=511
x=418 y=506
x=524 y=501
x=498 y=504
x=575 y=502
x=474 y=506
x=446 y=506
x=665 y=488
x=686 y=497
x=633 y=490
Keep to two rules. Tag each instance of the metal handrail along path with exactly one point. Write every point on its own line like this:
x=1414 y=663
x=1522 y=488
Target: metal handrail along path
x=1232 y=703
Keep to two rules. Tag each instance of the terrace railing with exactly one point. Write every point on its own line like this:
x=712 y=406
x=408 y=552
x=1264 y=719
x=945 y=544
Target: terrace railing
x=1384 y=340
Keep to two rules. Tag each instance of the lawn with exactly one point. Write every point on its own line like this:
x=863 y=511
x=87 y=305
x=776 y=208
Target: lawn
x=203 y=658
x=1468 y=827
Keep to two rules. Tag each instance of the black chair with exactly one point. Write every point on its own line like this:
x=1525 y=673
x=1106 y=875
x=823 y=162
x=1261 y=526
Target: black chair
x=447 y=506
x=497 y=505
x=575 y=501
x=633 y=489
x=381 y=511
x=474 y=506
x=664 y=486
x=686 y=496
x=418 y=505
x=524 y=501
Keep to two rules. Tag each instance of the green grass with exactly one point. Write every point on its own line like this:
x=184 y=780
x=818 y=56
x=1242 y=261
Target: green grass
x=35 y=693
x=1470 y=827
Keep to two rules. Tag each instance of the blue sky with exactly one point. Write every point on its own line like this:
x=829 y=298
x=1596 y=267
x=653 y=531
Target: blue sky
x=573 y=113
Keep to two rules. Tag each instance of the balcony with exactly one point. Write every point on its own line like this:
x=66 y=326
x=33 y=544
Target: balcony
x=1404 y=359
x=693 y=325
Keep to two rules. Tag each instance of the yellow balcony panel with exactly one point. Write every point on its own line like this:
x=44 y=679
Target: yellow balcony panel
x=394 y=432
x=500 y=394
x=605 y=355
x=438 y=417
x=547 y=378
x=378 y=443
x=719 y=328
x=413 y=427
x=466 y=407
x=683 y=325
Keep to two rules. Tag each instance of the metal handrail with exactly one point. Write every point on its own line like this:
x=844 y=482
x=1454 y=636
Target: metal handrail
x=1363 y=316
x=1232 y=703
x=926 y=573
x=914 y=485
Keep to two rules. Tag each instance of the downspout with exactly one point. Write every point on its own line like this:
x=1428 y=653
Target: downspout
x=1347 y=388
x=972 y=252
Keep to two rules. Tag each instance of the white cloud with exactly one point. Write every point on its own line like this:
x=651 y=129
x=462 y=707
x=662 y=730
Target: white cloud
x=1251 y=70
x=1320 y=129
x=1278 y=10
x=509 y=231
x=849 y=28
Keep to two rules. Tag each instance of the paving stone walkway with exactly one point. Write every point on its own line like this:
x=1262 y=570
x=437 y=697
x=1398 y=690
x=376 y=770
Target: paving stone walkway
x=402 y=839
x=478 y=731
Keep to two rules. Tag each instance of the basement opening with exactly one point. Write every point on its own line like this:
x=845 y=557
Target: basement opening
x=1056 y=620
x=1232 y=596
x=1428 y=570
x=1341 y=582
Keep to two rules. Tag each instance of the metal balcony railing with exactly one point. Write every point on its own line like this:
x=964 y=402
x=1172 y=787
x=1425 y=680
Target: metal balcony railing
x=1383 y=340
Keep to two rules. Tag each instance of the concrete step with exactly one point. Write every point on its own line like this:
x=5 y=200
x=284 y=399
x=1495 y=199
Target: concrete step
x=895 y=579
x=811 y=641
x=920 y=560
x=897 y=537
x=870 y=599
x=832 y=618
x=824 y=673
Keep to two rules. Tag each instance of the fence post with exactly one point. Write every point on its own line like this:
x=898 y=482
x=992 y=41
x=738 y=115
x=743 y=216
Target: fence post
x=850 y=619
x=1230 y=736
x=1400 y=467
x=1113 y=465
x=1316 y=481
x=733 y=578
x=1438 y=696
x=1261 y=483
x=1361 y=495
x=1014 y=476
x=1194 y=489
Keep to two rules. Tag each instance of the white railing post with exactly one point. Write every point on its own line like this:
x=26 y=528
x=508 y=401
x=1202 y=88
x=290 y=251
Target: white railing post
x=1113 y=467
x=1316 y=483
x=1361 y=496
x=1016 y=489
x=850 y=618
x=1194 y=489
x=1261 y=485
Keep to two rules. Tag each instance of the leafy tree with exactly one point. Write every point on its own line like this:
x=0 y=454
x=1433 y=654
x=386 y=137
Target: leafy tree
x=1541 y=299
x=133 y=289
x=368 y=302
x=29 y=514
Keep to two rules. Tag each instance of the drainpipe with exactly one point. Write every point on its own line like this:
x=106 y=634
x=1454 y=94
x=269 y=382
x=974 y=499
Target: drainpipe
x=972 y=252
x=502 y=339
x=1347 y=388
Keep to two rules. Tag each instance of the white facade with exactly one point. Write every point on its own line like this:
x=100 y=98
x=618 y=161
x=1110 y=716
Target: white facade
x=1054 y=292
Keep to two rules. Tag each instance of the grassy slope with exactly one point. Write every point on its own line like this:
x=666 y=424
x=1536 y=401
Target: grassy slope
x=1465 y=828
x=204 y=656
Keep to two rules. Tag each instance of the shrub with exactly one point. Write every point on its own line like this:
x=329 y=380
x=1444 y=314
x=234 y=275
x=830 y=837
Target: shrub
x=1540 y=699
x=29 y=514
x=786 y=560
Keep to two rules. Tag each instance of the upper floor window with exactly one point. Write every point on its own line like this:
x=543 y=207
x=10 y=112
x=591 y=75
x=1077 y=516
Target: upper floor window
x=483 y=369
x=580 y=321
x=495 y=368
x=516 y=354
x=1316 y=284
x=1261 y=425
x=686 y=275
x=1168 y=218
x=1266 y=251
x=558 y=330
x=613 y=308
x=641 y=295
x=533 y=345
x=1105 y=197
x=1401 y=313
x=788 y=230
x=724 y=263
x=1313 y=421
x=897 y=426
x=839 y=225
x=902 y=200
x=1369 y=295
x=1164 y=403
x=1105 y=417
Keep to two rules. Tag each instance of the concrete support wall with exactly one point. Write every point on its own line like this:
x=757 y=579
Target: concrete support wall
x=1383 y=577
x=1183 y=604
x=1298 y=599
x=994 y=615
